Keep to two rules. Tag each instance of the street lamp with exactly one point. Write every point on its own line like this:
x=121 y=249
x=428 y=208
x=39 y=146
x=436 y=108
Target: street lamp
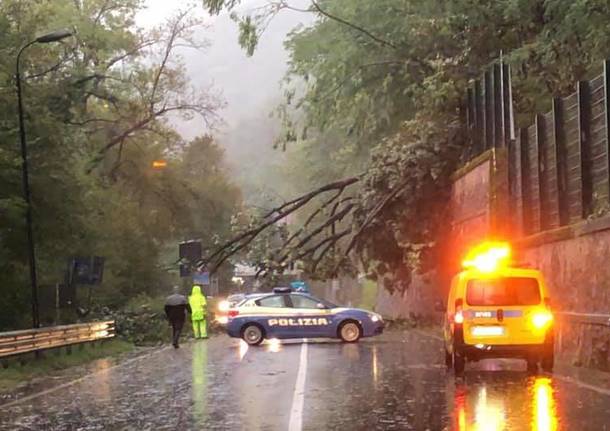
x=47 y=38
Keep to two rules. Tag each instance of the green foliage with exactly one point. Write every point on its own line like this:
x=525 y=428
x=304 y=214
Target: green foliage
x=96 y=115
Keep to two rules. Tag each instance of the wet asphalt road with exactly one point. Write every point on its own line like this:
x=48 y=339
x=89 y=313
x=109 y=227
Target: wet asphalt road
x=392 y=382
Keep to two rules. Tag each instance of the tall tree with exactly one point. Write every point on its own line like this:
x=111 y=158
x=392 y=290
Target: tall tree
x=97 y=114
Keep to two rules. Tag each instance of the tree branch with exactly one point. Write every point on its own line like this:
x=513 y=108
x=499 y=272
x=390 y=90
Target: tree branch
x=323 y=253
x=241 y=241
x=330 y=221
x=308 y=196
x=353 y=26
x=168 y=50
x=371 y=216
x=333 y=239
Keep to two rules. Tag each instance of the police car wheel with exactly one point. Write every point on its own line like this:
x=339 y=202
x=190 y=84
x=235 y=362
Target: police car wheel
x=350 y=332
x=253 y=335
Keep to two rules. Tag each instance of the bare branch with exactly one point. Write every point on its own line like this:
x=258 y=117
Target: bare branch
x=89 y=120
x=53 y=68
x=143 y=44
x=241 y=241
x=353 y=26
x=323 y=253
x=333 y=239
x=371 y=216
x=169 y=47
x=330 y=221
x=307 y=197
x=315 y=214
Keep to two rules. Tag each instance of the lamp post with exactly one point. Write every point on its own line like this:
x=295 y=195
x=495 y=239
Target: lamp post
x=47 y=38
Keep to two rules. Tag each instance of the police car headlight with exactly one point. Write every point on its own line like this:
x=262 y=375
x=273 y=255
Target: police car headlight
x=375 y=317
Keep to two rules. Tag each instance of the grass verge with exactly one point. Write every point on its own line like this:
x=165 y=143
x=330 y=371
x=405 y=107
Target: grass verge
x=17 y=374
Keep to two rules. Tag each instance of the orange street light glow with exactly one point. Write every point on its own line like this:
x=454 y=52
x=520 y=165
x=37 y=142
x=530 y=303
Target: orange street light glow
x=159 y=164
x=488 y=256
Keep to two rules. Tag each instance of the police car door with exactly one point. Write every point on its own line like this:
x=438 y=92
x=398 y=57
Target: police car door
x=273 y=312
x=312 y=319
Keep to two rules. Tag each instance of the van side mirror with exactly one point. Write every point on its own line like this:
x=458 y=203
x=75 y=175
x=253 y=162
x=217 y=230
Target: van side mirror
x=440 y=306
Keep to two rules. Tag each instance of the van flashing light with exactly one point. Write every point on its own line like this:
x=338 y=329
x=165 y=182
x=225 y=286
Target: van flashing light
x=488 y=257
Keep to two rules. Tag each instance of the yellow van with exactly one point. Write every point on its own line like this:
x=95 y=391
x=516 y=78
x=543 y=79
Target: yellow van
x=498 y=311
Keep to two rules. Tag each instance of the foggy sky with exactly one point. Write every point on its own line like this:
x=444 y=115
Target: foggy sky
x=249 y=85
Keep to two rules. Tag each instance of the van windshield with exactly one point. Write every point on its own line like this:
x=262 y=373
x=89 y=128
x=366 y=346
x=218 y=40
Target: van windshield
x=503 y=291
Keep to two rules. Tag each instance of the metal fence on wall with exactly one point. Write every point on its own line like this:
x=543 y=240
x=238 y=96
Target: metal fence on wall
x=559 y=166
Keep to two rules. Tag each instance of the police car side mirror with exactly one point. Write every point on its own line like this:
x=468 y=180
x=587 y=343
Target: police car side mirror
x=320 y=306
x=440 y=306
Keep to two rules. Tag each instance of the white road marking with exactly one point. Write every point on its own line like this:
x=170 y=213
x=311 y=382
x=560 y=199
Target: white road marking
x=298 y=399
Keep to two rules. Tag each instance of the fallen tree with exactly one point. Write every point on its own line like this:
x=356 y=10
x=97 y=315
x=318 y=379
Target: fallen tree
x=367 y=218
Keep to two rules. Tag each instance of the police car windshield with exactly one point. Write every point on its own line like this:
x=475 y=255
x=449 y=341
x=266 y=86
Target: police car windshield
x=503 y=291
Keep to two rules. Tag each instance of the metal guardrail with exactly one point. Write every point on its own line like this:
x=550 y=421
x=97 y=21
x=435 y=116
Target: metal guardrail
x=597 y=319
x=32 y=340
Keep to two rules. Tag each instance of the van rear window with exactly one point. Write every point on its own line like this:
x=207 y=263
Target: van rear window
x=503 y=291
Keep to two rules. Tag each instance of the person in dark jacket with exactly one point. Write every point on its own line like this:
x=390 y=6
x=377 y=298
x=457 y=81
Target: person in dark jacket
x=176 y=307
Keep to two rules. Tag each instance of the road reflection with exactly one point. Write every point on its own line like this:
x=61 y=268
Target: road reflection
x=496 y=404
x=375 y=367
x=199 y=372
x=102 y=389
x=351 y=352
x=243 y=349
x=545 y=413
x=273 y=345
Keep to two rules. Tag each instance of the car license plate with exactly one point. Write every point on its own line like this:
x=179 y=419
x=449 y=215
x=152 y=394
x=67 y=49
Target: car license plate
x=487 y=331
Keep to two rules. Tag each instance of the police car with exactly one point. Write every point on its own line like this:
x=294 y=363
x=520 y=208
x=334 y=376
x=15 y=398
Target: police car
x=286 y=314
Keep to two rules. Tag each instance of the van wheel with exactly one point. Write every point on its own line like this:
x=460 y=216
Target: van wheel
x=548 y=360
x=448 y=359
x=459 y=363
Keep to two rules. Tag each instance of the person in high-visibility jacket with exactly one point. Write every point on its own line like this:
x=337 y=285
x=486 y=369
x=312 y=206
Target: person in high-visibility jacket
x=198 y=305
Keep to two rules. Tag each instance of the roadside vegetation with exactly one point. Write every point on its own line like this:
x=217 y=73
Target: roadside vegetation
x=54 y=362
x=97 y=107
